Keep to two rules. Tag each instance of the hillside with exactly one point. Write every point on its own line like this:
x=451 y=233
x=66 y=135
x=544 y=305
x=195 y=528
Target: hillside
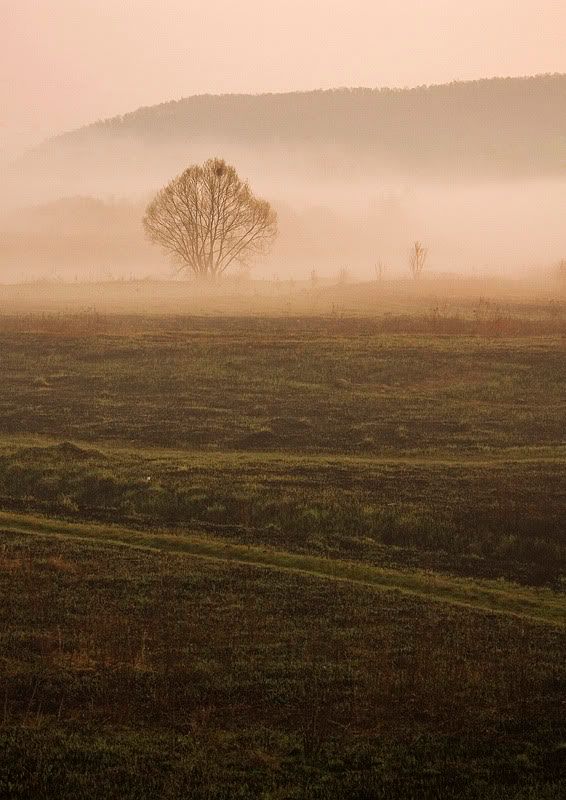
x=476 y=170
x=500 y=126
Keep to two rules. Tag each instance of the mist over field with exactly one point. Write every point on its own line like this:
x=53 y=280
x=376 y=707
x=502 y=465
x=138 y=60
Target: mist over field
x=475 y=170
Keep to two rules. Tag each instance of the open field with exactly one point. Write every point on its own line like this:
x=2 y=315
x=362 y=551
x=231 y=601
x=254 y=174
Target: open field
x=282 y=558
x=317 y=435
x=136 y=670
x=498 y=597
x=175 y=666
x=494 y=516
x=442 y=303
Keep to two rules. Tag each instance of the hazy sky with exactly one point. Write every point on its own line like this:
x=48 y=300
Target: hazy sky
x=68 y=62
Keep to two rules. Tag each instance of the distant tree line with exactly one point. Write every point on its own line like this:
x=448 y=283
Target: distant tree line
x=502 y=125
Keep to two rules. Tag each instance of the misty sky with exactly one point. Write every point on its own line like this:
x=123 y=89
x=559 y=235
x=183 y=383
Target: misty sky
x=69 y=62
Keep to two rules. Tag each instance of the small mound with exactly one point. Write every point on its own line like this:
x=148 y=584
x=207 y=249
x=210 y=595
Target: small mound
x=73 y=451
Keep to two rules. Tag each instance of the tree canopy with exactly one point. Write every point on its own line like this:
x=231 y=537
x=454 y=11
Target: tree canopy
x=208 y=219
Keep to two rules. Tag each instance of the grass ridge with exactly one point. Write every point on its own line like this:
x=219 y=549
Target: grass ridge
x=487 y=596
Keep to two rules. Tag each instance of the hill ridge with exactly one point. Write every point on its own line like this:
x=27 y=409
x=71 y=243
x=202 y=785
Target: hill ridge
x=373 y=90
x=495 y=126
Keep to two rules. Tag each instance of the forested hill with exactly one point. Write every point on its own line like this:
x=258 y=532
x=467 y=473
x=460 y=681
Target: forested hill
x=500 y=126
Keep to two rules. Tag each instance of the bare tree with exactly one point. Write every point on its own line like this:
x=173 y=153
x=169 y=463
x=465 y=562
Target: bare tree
x=208 y=219
x=417 y=259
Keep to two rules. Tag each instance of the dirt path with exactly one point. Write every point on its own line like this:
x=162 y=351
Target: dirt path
x=501 y=597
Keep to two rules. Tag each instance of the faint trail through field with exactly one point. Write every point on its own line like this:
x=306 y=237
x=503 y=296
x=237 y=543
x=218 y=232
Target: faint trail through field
x=535 y=605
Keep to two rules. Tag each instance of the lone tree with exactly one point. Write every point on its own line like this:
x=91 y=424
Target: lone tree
x=417 y=259
x=207 y=219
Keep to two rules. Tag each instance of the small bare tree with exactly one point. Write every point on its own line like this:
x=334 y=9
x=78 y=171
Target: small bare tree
x=208 y=219
x=417 y=259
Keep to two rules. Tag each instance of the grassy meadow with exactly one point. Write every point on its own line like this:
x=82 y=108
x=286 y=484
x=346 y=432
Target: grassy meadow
x=283 y=556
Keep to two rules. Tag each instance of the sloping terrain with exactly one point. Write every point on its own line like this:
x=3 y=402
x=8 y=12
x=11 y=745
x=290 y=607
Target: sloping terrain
x=512 y=126
x=139 y=666
x=280 y=558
